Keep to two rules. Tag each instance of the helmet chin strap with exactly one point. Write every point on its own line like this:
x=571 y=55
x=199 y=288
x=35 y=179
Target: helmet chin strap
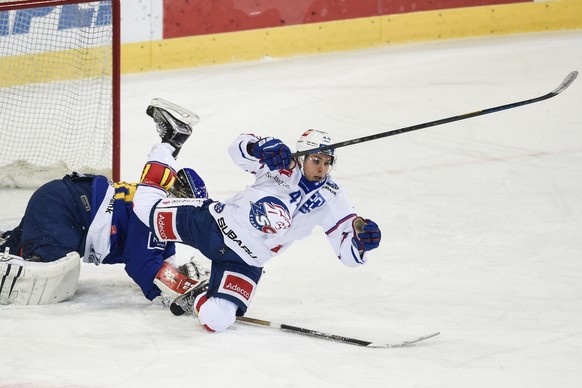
x=301 y=161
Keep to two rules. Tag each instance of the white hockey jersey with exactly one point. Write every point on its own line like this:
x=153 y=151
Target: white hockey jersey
x=281 y=207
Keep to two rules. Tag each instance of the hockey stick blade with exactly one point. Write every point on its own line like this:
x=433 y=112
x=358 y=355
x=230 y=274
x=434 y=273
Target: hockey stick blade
x=333 y=337
x=563 y=86
x=403 y=343
x=566 y=83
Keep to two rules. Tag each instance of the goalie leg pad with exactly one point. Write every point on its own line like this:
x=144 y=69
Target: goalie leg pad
x=35 y=283
x=10 y=275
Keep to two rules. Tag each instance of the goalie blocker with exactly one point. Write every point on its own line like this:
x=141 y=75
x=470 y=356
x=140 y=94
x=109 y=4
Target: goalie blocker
x=34 y=283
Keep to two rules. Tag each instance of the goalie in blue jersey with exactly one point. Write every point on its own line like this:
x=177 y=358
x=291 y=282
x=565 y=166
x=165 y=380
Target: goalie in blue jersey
x=91 y=217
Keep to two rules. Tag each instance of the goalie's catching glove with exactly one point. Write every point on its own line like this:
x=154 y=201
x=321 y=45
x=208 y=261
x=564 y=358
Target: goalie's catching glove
x=367 y=234
x=272 y=152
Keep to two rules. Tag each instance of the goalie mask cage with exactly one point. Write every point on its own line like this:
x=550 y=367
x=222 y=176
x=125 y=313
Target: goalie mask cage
x=59 y=90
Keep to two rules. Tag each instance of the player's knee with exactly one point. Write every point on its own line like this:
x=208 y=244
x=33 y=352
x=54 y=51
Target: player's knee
x=215 y=314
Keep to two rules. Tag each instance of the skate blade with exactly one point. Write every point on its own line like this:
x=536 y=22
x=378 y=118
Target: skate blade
x=177 y=111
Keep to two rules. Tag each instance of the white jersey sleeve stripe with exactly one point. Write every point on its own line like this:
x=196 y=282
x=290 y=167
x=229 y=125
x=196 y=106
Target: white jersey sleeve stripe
x=243 y=152
x=337 y=225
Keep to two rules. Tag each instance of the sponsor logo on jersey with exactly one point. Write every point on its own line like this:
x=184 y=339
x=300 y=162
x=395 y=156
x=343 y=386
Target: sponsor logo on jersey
x=219 y=207
x=277 y=179
x=269 y=215
x=86 y=203
x=331 y=187
x=230 y=234
x=165 y=224
x=155 y=243
x=237 y=285
x=169 y=277
x=171 y=202
x=109 y=208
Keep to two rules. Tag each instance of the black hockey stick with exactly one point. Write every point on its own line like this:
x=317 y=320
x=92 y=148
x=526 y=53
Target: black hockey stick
x=333 y=337
x=563 y=86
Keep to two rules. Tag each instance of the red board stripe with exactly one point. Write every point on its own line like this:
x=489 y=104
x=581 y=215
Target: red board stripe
x=203 y=17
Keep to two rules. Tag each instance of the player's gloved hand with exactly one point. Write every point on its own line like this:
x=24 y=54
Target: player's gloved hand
x=367 y=234
x=272 y=152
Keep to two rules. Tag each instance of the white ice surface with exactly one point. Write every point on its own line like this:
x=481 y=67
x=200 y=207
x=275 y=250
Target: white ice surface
x=481 y=223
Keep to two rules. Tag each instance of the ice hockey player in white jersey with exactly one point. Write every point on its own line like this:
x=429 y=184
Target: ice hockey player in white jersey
x=240 y=234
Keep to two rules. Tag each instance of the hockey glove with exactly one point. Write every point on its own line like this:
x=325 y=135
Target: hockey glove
x=188 y=184
x=366 y=234
x=272 y=152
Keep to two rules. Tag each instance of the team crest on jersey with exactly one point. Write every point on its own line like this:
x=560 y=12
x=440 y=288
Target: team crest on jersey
x=269 y=215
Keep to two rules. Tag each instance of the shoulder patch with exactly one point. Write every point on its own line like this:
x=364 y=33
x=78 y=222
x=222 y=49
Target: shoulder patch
x=332 y=184
x=332 y=187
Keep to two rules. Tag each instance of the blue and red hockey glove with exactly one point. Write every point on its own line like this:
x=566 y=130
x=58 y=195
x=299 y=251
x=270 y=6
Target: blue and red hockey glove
x=272 y=152
x=367 y=234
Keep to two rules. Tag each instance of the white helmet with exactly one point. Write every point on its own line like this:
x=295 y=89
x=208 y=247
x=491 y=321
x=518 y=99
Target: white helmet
x=312 y=139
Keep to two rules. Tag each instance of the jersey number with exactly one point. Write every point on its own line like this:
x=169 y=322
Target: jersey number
x=315 y=201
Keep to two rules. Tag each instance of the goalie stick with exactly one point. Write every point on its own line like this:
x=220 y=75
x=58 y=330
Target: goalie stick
x=333 y=337
x=563 y=86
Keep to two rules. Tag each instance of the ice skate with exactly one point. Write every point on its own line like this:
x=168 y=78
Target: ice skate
x=185 y=302
x=174 y=123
